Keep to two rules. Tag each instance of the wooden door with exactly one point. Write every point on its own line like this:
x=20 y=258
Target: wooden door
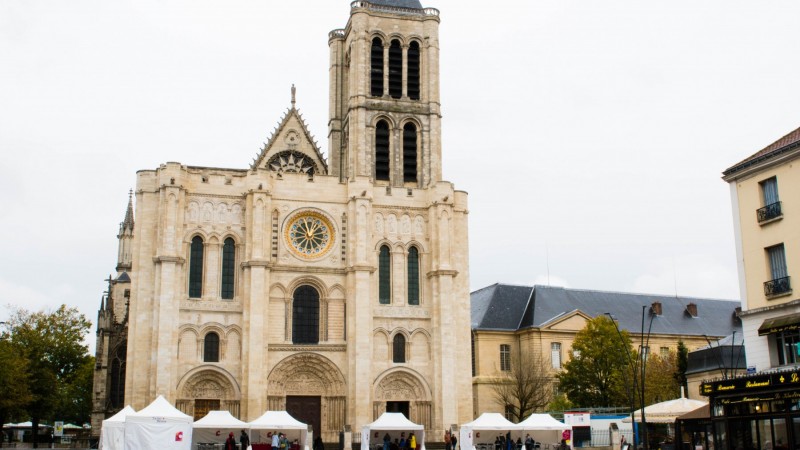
x=306 y=409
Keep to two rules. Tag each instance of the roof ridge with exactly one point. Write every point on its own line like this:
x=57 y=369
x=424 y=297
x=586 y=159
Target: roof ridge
x=639 y=294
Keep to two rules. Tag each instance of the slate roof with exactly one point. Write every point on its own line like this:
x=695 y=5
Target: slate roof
x=786 y=143
x=506 y=307
x=718 y=356
x=398 y=3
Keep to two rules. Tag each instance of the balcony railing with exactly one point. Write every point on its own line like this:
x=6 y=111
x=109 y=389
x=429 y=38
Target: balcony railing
x=769 y=212
x=777 y=287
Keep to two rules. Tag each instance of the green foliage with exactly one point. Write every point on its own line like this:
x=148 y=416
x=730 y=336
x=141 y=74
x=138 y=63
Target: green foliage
x=59 y=366
x=560 y=403
x=682 y=363
x=595 y=374
x=14 y=392
x=660 y=382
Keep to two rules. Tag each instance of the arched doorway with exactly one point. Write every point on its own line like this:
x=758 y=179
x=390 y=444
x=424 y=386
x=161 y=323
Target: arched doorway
x=312 y=389
x=405 y=391
x=206 y=389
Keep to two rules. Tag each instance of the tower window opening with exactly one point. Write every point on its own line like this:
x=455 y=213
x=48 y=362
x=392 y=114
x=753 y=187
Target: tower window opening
x=384 y=276
x=409 y=153
x=382 y=151
x=305 y=316
x=376 y=68
x=413 y=276
x=412 y=79
x=228 y=270
x=395 y=69
x=196 y=268
x=211 y=348
x=399 y=349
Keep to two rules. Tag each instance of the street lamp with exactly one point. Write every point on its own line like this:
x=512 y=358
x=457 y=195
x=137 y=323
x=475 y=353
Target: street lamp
x=632 y=396
x=640 y=367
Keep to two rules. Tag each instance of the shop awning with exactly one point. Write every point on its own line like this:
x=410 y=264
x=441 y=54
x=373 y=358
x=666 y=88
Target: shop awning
x=780 y=324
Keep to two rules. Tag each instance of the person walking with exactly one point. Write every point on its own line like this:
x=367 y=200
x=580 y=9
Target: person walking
x=453 y=441
x=244 y=439
x=412 y=441
x=447 y=440
x=230 y=443
x=276 y=441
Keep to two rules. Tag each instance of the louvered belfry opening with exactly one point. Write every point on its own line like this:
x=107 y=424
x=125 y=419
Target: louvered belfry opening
x=395 y=69
x=382 y=151
x=376 y=68
x=409 y=152
x=412 y=79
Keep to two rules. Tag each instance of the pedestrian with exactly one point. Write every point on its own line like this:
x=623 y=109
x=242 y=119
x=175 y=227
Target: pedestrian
x=528 y=442
x=563 y=445
x=447 y=440
x=276 y=441
x=318 y=445
x=230 y=443
x=386 y=440
x=412 y=441
x=454 y=441
x=403 y=442
x=244 y=439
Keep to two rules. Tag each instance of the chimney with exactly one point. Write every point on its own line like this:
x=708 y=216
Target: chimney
x=655 y=308
x=691 y=308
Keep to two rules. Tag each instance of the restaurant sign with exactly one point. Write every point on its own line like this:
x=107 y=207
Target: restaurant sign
x=751 y=383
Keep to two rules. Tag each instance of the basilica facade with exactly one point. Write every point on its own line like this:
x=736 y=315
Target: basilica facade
x=335 y=288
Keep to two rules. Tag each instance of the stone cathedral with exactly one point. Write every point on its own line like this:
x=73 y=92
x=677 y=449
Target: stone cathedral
x=335 y=288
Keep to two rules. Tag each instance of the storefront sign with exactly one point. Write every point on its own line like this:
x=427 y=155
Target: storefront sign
x=751 y=383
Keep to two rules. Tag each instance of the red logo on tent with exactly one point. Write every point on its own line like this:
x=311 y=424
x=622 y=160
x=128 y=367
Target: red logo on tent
x=179 y=436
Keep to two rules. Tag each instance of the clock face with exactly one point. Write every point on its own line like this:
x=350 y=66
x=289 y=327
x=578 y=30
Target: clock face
x=309 y=234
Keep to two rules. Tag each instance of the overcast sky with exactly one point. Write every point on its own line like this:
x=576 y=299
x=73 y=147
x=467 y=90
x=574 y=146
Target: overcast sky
x=589 y=135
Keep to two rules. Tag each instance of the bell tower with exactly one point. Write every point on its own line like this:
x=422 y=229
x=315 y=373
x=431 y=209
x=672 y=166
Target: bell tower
x=385 y=118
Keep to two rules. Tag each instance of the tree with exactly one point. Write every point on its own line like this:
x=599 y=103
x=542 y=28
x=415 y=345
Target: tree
x=595 y=374
x=52 y=344
x=526 y=388
x=14 y=393
x=682 y=363
x=660 y=383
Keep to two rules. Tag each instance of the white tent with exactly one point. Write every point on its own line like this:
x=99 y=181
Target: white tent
x=215 y=427
x=487 y=422
x=666 y=412
x=159 y=426
x=394 y=422
x=270 y=422
x=112 y=433
x=544 y=428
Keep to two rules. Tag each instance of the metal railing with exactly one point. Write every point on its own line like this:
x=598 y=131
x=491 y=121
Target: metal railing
x=777 y=286
x=394 y=9
x=769 y=212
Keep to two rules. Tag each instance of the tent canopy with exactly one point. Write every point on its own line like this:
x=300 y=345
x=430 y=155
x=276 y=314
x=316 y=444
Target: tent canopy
x=491 y=421
x=396 y=422
x=666 y=412
x=544 y=422
x=279 y=421
x=220 y=419
x=215 y=427
x=158 y=426
x=112 y=432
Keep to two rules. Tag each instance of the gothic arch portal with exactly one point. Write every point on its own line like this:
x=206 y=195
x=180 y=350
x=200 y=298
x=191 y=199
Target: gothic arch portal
x=310 y=375
x=401 y=386
x=206 y=388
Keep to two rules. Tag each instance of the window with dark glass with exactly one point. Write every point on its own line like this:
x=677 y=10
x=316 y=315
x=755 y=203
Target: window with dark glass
x=211 y=347
x=505 y=357
x=382 y=151
x=376 y=68
x=771 y=208
x=412 y=80
x=779 y=284
x=116 y=395
x=384 y=276
x=395 y=69
x=228 y=263
x=409 y=152
x=305 y=316
x=788 y=346
x=399 y=349
x=196 y=268
x=413 y=276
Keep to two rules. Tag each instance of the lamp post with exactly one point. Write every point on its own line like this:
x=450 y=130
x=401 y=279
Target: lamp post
x=640 y=367
x=632 y=396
